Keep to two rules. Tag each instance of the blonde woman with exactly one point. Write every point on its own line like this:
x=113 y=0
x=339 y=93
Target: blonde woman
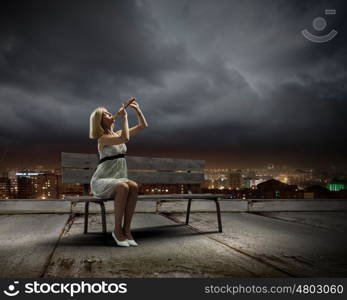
x=110 y=178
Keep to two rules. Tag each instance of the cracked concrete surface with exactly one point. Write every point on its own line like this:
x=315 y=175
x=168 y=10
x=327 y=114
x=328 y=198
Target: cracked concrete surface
x=252 y=245
x=27 y=241
x=166 y=249
x=298 y=247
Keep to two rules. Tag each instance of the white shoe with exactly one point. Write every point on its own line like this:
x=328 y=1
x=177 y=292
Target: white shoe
x=120 y=243
x=131 y=242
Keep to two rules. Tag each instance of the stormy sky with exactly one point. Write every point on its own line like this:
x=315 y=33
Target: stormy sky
x=231 y=82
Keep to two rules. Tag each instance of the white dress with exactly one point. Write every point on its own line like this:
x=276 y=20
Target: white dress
x=109 y=172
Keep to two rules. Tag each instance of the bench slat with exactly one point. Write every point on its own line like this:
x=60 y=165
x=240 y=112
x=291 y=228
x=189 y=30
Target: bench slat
x=166 y=177
x=166 y=164
x=83 y=161
x=76 y=175
x=79 y=160
x=152 y=197
x=84 y=176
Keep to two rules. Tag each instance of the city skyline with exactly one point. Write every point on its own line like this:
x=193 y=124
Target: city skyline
x=224 y=83
x=270 y=183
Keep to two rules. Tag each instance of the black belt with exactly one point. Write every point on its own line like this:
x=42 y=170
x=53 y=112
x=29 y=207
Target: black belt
x=110 y=157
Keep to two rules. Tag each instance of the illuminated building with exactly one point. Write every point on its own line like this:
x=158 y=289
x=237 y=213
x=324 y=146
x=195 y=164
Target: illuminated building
x=168 y=188
x=235 y=179
x=337 y=185
x=36 y=185
x=217 y=178
x=4 y=187
x=68 y=189
x=13 y=184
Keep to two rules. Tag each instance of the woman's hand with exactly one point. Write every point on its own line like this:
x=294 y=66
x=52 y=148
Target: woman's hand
x=129 y=101
x=135 y=105
x=122 y=112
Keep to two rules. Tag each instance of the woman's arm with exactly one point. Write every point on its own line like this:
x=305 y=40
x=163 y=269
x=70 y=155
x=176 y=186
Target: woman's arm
x=141 y=118
x=125 y=133
x=142 y=123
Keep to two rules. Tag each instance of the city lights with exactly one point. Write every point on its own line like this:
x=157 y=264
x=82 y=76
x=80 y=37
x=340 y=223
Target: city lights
x=271 y=181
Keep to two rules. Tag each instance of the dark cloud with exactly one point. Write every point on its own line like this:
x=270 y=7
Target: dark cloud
x=233 y=79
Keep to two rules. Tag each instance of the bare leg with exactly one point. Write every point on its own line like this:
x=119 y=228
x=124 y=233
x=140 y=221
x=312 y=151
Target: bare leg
x=130 y=208
x=120 y=201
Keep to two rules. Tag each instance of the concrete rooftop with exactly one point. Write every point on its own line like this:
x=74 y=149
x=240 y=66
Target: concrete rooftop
x=253 y=244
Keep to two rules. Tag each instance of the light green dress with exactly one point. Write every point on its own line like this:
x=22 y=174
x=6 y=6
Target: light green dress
x=109 y=172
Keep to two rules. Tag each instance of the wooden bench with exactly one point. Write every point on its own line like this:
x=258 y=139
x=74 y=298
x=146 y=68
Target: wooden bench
x=79 y=168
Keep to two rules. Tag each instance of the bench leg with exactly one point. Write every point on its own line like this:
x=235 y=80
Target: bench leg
x=218 y=215
x=188 y=211
x=86 y=212
x=103 y=217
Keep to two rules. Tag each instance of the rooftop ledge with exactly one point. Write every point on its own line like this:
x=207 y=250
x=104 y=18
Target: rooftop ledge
x=18 y=206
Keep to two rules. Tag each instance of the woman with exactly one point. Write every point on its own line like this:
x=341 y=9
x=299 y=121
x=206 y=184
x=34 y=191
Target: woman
x=110 y=178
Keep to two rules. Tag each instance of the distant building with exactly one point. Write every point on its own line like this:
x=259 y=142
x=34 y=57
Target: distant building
x=316 y=192
x=247 y=182
x=337 y=185
x=275 y=189
x=4 y=187
x=217 y=179
x=303 y=178
x=244 y=193
x=250 y=173
x=68 y=189
x=13 y=184
x=235 y=179
x=145 y=189
x=36 y=185
x=259 y=179
x=207 y=184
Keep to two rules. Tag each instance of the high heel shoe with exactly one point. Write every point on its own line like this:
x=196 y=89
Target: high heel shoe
x=132 y=242
x=120 y=243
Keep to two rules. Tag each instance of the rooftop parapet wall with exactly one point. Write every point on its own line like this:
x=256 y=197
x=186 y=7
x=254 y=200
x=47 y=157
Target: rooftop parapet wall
x=24 y=206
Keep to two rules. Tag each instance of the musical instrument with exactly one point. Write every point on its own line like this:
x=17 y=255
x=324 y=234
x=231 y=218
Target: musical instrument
x=126 y=105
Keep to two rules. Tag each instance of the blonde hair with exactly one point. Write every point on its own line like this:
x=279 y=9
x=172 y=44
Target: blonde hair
x=95 y=128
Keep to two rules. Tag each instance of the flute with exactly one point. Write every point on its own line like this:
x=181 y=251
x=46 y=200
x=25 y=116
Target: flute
x=131 y=101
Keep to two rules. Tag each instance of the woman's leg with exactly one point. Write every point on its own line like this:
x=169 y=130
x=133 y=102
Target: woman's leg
x=120 y=201
x=130 y=208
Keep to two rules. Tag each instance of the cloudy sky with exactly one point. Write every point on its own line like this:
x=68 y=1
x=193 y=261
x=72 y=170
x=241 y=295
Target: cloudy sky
x=231 y=82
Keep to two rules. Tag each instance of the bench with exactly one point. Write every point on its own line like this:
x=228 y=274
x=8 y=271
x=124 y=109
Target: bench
x=79 y=168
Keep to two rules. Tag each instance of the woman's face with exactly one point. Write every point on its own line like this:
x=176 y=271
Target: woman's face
x=107 y=119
